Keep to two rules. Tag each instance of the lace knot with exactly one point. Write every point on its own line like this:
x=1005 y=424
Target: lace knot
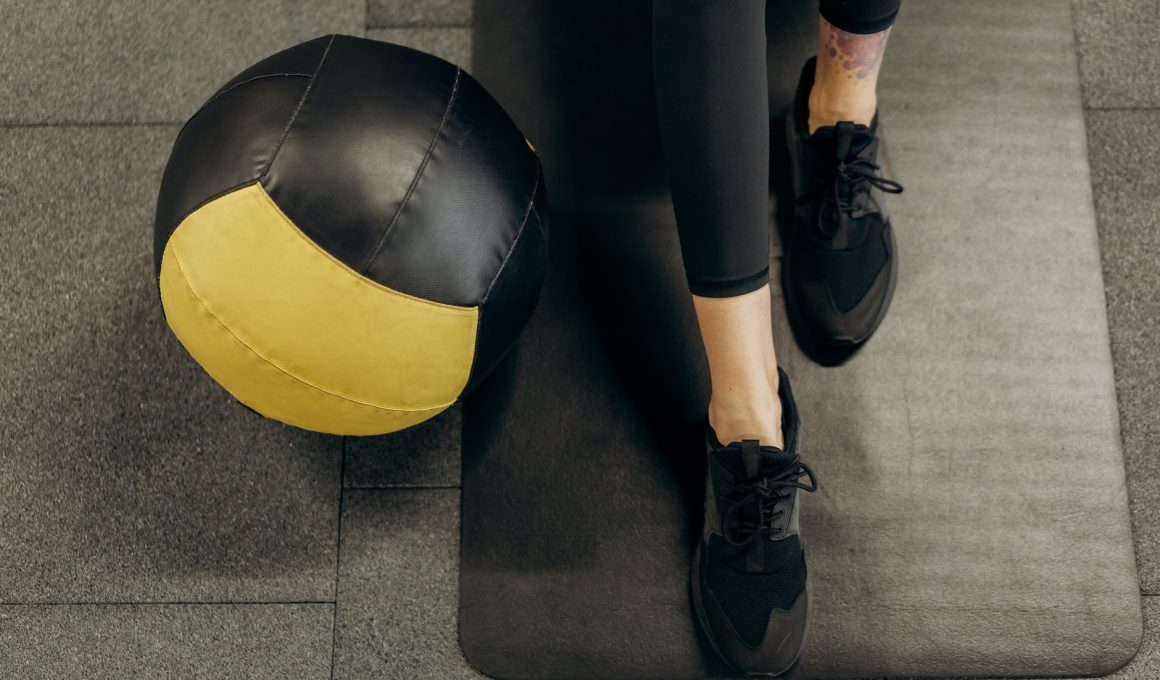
x=755 y=512
x=845 y=189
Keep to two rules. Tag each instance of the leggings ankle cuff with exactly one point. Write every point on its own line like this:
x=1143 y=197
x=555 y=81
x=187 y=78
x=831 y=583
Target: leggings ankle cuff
x=729 y=288
x=860 y=16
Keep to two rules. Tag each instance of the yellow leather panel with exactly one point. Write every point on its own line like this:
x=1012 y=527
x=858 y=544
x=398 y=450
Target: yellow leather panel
x=300 y=337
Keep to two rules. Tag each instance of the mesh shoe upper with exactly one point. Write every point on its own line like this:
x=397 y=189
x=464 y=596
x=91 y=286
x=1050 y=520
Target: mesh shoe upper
x=748 y=598
x=844 y=275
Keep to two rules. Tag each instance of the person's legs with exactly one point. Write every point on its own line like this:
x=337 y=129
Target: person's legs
x=738 y=336
x=748 y=574
x=852 y=38
x=713 y=112
x=749 y=582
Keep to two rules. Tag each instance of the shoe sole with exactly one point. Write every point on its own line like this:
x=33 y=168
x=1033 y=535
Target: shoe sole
x=805 y=335
x=703 y=621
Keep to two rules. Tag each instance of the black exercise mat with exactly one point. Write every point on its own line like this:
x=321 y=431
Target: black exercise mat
x=608 y=384
x=972 y=517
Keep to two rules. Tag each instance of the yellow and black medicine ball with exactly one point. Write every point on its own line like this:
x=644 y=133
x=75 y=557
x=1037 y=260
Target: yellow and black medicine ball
x=349 y=235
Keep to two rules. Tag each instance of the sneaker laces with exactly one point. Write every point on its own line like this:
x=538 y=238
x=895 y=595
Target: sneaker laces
x=763 y=497
x=850 y=181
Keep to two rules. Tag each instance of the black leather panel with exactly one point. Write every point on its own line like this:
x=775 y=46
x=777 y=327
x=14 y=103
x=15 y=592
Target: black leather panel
x=458 y=225
x=515 y=293
x=357 y=143
x=302 y=59
x=419 y=181
x=226 y=144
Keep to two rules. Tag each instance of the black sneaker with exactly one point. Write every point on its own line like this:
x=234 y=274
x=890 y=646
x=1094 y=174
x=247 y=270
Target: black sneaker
x=839 y=267
x=749 y=584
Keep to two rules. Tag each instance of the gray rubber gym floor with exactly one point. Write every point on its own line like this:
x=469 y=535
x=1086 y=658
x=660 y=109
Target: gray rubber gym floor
x=149 y=527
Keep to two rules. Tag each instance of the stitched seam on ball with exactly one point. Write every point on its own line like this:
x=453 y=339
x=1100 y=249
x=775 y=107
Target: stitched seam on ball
x=539 y=223
x=202 y=204
x=247 y=81
x=297 y=109
x=519 y=232
x=204 y=305
x=418 y=173
x=454 y=310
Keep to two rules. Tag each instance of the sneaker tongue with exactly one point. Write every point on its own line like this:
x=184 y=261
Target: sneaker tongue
x=844 y=139
x=841 y=141
x=747 y=461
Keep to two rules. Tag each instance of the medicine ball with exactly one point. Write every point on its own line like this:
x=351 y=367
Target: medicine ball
x=349 y=235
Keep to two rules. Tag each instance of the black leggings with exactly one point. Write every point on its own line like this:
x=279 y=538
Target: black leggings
x=713 y=110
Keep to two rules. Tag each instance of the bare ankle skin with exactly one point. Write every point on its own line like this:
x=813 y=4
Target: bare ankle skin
x=846 y=76
x=738 y=336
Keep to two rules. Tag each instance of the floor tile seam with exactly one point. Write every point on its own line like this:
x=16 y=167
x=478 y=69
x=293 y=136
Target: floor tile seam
x=401 y=487
x=17 y=125
x=160 y=603
x=1087 y=108
x=338 y=557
